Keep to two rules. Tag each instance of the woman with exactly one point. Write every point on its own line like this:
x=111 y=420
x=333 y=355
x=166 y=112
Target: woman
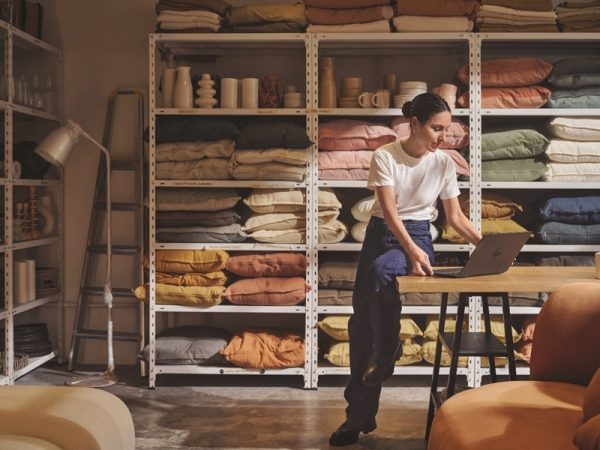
x=408 y=177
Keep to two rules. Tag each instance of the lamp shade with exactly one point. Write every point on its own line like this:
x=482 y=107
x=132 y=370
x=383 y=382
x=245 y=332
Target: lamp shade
x=56 y=147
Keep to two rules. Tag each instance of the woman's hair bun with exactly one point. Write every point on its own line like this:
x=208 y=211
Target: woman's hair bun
x=407 y=109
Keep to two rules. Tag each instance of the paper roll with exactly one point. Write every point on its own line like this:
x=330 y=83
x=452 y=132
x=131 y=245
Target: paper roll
x=30 y=279
x=20 y=277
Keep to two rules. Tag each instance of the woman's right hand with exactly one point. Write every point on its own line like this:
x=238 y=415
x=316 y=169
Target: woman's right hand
x=419 y=261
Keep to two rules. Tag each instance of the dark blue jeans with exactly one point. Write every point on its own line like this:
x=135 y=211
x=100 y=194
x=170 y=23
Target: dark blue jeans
x=376 y=302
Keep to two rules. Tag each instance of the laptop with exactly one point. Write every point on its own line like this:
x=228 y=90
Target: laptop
x=493 y=254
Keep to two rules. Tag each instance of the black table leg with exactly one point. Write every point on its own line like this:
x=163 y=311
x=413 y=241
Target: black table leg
x=510 y=348
x=488 y=329
x=460 y=316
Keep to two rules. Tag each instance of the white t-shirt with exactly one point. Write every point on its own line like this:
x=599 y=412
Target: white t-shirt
x=418 y=182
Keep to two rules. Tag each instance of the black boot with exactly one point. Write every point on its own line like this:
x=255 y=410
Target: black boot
x=381 y=365
x=346 y=434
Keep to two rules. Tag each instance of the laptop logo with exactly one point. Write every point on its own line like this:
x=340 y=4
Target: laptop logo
x=497 y=253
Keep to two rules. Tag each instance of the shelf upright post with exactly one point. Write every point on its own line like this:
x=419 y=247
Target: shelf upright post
x=8 y=215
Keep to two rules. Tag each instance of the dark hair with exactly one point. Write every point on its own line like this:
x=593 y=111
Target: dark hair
x=423 y=106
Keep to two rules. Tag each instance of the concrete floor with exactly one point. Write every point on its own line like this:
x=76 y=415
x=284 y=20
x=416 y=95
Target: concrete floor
x=256 y=412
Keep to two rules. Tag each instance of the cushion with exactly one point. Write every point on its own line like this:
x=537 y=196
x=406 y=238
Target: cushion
x=576 y=210
x=522 y=143
x=361 y=210
x=196 y=218
x=456 y=136
x=575 y=128
x=192 y=279
x=587 y=436
x=275 y=221
x=267 y=171
x=329 y=297
x=461 y=165
x=201 y=169
x=189 y=344
x=190 y=151
x=167 y=294
x=429 y=355
x=184 y=261
x=575 y=73
x=510 y=97
x=573 y=151
x=591 y=399
x=332 y=232
x=267 y=291
x=349 y=134
x=194 y=128
x=227 y=234
x=261 y=13
x=488 y=226
x=509 y=72
x=573 y=172
x=497 y=325
x=493 y=205
x=288 y=200
x=265 y=349
x=358 y=231
x=296 y=157
x=526 y=169
x=344 y=174
x=290 y=236
x=571 y=259
x=268 y=265
x=195 y=199
x=338 y=353
x=337 y=274
x=575 y=98
x=336 y=327
x=268 y=134
x=565 y=233
x=357 y=159
x=467 y=8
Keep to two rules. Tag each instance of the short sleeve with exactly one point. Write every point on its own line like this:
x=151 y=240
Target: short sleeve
x=381 y=171
x=450 y=187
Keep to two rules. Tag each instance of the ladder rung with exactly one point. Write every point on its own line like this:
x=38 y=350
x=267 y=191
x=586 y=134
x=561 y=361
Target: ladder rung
x=116 y=249
x=101 y=334
x=117 y=206
x=124 y=165
x=117 y=292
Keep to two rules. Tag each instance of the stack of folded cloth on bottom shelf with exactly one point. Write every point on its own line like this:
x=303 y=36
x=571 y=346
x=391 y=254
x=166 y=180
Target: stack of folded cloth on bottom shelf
x=433 y=15
x=579 y=16
x=266 y=18
x=30 y=341
x=496 y=212
x=188 y=278
x=336 y=282
x=194 y=148
x=570 y=220
x=270 y=150
x=348 y=16
x=513 y=155
x=197 y=215
x=456 y=140
x=275 y=279
x=190 y=16
x=574 y=150
x=504 y=16
x=509 y=83
x=576 y=83
x=346 y=147
x=337 y=349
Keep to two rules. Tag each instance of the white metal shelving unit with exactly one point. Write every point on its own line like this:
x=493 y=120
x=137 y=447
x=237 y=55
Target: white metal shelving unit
x=25 y=55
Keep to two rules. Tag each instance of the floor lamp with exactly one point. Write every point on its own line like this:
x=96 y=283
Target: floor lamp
x=55 y=149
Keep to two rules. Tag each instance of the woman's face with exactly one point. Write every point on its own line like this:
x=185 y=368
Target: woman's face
x=433 y=132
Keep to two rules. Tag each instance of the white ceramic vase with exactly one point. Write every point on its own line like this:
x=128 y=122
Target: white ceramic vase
x=183 y=96
x=206 y=93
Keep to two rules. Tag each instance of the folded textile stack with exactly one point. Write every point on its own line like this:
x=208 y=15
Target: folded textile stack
x=574 y=150
x=505 y=16
x=266 y=18
x=275 y=279
x=197 y=215
x=190 y=16
x=188 y=278
x=270 y=150
x=331 y=230
x=346 y=147
x=432 y=15
x=455 y=142
x=497 y=212
x=354 y=16
x=361 y=211
x=336 y=282
x=570 y=220
x=576 y=83
x=509 y=83
x=579 y=16
x=280 y=215
x=337 y=349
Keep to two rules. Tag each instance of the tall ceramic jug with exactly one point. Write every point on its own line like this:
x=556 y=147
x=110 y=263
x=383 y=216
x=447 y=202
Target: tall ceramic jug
x=327 y=90
x=183 y=96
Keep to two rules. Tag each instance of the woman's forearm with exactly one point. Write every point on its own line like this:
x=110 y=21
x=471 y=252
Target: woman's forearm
x=465 y=228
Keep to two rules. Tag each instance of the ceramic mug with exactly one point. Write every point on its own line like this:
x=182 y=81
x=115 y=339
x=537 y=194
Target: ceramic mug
x=365 y=100
x=250 y=93
x=229 y=93
x=381 y=98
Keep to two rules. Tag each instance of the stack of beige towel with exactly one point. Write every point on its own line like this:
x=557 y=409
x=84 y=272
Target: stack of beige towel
x=516 y=16
x=348 y=16
x=190 y=16
x=267 y=18
x=582 y=16
x=433 y=15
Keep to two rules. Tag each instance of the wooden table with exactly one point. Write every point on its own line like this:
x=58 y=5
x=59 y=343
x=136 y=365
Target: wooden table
x=516 y=279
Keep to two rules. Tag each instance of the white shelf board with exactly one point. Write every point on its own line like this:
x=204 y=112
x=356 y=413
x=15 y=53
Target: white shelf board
x=391 y=39
x=34 y=363
x=406 y=309
x=374 y=112
x=29 y=182
x=28 y=42
x=231 y=184
x=560 y=248
x=363 y=184
x=231 y=112
x=232 y=309
x=222 y=370
x=243 y=247
x=416 y=369
x=541 y=37
x=25 y=110
x=539 y=185
x=237 y=39
x=4 y=105
x=19 y=309
x=545 y=112
x=521 y=370
x=356 y=246
x=35 y=243
x=3 y=314
x=3 y=380
x=517 y=310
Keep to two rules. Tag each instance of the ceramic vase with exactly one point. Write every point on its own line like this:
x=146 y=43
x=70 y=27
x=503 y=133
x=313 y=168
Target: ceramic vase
x=168 y=84
x=183 y=96
x=206 y=93
x=327 y=90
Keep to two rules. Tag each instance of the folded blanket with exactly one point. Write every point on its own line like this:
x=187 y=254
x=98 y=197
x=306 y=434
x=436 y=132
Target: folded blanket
x=189 y=151
x=272 y=27
x=565 y=12
x=203 y=169
x=344 y=174
x=345 y=159
x=189 y=16
x=497 y=28
x=257 y=14
x=225 y=234
x=296 y=157
x=267 y=171
x=514 y=22
x=573 y=151
x=446 y=8
x=219 y=6
x=515 y=12
x=530 y=5
x=323 y=16
x=379 y=26
x=572 y=172
x=580 y=4
x=345 y=4
x=187 y=26
x=440 y=24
